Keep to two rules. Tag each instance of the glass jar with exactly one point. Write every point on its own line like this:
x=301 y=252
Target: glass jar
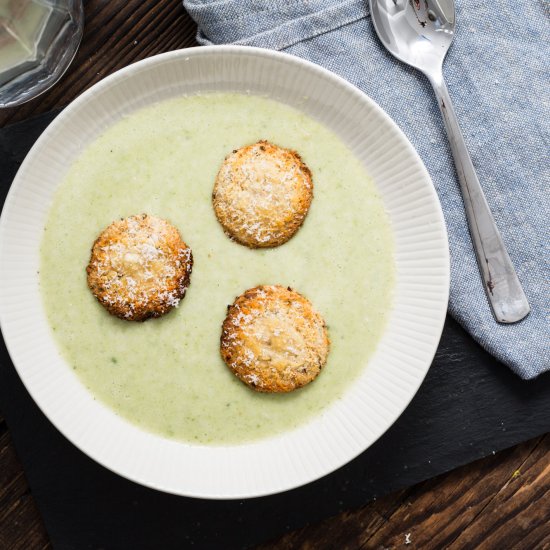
x=38 y=41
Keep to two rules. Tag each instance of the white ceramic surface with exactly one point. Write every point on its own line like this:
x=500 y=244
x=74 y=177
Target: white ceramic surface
x=393 y=374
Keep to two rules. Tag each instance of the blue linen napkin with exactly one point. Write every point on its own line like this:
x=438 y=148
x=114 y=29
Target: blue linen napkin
x=497 y=74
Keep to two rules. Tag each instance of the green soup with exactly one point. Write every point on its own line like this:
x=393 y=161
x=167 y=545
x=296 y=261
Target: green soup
x=166 y=375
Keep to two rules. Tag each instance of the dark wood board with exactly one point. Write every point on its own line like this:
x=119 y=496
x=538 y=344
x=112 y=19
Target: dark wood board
x=469 y=406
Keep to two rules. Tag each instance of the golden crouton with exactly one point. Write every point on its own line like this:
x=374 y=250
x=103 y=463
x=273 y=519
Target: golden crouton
x=273 y=340
x=262 y=195
x=139 y=268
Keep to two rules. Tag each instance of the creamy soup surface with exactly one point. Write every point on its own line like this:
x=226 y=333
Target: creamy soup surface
x=166 y=375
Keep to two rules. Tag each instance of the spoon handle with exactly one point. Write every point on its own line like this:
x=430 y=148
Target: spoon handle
x=501 y=283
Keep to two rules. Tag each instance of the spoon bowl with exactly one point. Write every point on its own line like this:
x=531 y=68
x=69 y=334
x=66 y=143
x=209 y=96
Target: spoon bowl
x=416 y=32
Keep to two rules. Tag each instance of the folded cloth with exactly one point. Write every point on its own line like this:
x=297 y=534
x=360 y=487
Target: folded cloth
x=497 y=74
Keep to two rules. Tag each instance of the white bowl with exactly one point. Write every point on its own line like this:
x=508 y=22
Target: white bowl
x=374 y=401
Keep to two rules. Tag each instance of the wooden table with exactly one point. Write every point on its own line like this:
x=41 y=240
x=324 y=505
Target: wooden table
x=502 y=501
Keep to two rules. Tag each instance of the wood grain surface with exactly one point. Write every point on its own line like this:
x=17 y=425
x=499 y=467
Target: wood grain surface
x=499 y=502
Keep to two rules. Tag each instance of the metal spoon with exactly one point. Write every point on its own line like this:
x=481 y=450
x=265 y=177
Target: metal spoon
x=419 y=33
